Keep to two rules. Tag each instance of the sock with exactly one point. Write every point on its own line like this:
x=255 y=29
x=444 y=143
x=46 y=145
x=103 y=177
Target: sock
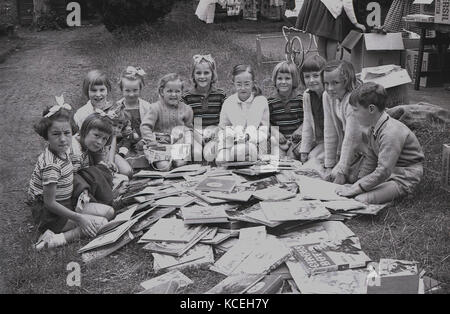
x=57 y=240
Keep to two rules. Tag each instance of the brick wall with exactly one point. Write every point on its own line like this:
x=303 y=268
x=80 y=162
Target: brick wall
x=8 y=12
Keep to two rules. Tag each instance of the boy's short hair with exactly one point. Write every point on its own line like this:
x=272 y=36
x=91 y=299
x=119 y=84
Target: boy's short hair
x=288 y=68
x=95 y=77
x=369 y=94
x=42 y=126
x=313 y=63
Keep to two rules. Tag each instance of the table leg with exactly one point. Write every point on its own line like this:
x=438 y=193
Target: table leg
x=423 y=33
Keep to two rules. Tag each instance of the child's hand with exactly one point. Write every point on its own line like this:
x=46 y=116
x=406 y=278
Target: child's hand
x=348 y=191
x=296 y=137
x=327 y=174
x=140 y=145
x=339 y=178
x=282 y=139
x=87 y=225
x=361 y=27
x=304 y=157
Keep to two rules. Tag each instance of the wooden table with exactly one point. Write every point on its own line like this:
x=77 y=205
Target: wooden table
x=442 y=40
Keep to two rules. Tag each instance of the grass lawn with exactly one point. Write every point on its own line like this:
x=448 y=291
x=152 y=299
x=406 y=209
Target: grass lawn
x=415 y=228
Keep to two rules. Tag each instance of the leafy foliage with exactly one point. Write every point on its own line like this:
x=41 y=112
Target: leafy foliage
x=117 y=13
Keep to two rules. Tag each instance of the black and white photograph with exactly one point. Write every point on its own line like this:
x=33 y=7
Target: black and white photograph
x=229 y=153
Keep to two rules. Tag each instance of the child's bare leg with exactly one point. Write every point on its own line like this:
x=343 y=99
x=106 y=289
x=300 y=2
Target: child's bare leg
x=331 y=49
x=179 y=163
x=123 y=166
x=210 y=151
x=383 y=193
x=163 y=165
x=100 y=210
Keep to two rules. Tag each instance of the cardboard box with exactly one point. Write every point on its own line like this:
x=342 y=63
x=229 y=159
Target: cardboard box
x=394 y=81
x=442 y=12
x=445 y=175
x=370 y=50
x=426 y=6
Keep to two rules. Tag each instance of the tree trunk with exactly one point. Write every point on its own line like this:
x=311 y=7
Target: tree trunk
x=41 y=7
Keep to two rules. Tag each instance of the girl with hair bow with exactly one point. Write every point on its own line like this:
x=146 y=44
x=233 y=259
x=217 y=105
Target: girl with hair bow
x=131 y=83
x=51 y=185
x=206 y=102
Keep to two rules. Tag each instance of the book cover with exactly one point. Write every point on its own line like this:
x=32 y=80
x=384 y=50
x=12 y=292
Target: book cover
x=396 y=277
x=330 y=256
x=252 y=257
x=294 y=209
x=152 y=217
x=176 y=201
x=269 y=284
x=243 y=196
x=170 y=230
x=176 y=249
x=169 y=287
x=253 y=214
x=106 y=250
x=393 y=267
x=236 y=284
x=199 y=254
x=273 y=193
x=216 y=184
x=201 y=214
x=109 y=237
x=344 y=205
x=174 y=275
x=314 y=234
x=317 y=189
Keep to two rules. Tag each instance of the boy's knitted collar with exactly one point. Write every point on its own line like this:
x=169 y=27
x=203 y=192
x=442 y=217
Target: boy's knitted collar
x=381 y=121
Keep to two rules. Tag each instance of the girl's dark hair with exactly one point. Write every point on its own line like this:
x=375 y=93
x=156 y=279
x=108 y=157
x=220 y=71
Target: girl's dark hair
x=95 y=77
x=346 y=71
x=287 y=68
x=241 y=68
x=95 y=121
x=314 y=63
x=369 y=94
x=42 y=126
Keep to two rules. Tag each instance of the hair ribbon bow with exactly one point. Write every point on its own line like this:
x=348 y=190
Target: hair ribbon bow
x=111 y=114
x=60 y=104
x=131 y=70
x=199 y=58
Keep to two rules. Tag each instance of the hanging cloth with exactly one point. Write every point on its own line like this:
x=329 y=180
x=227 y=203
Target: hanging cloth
x=206 y=10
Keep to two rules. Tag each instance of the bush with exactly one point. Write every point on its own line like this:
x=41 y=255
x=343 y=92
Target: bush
x=117 y=13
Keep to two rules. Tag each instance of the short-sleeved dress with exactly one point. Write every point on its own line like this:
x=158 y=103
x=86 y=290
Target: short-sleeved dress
x=51 y=169
x=315 y=18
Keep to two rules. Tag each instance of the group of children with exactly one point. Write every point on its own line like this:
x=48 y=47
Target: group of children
x=336 y=121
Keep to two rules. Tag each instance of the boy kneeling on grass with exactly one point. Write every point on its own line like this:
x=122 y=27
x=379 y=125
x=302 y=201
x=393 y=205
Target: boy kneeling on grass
x=392 y=166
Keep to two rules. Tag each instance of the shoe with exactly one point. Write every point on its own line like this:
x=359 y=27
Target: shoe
x=50 y=240
x=43 y=239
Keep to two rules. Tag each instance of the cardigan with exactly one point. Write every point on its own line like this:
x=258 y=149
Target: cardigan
x=163 y=118
x=391 y=144
x=341 y=132
x=310 y=134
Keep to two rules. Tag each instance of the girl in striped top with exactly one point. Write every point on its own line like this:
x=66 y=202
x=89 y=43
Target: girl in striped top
x=51 y=184
x=206 y=102
x=286 y=109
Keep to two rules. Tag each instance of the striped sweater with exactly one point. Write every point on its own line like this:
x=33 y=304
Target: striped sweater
x=206 y=107
x=287 y=115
